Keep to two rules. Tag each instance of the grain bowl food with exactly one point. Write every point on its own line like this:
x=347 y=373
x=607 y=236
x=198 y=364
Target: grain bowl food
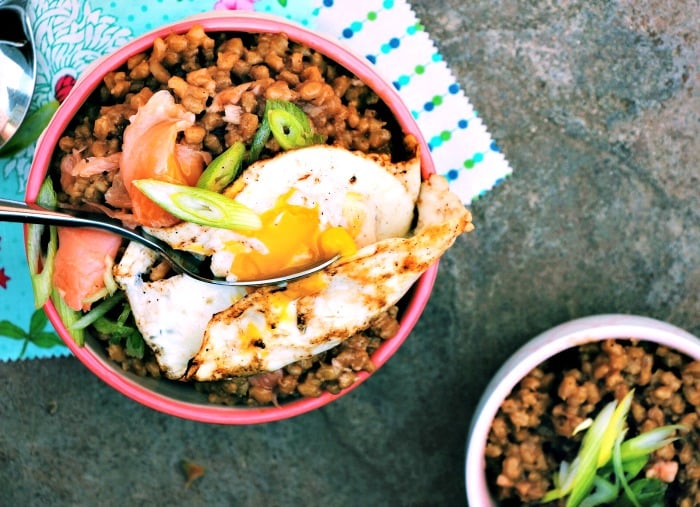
x=261 y=148
x=600 y=411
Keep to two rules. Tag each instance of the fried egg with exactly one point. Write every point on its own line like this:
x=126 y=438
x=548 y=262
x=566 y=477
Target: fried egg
x=272 y=326
x=171 y=313
x=314 y=202
x=205 y=332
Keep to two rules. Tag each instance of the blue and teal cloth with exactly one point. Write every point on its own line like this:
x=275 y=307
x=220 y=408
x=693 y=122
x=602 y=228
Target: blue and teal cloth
x=70 y=34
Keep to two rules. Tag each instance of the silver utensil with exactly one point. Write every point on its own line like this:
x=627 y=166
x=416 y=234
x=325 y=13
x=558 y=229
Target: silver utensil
x=181 y=261
x=18 y=65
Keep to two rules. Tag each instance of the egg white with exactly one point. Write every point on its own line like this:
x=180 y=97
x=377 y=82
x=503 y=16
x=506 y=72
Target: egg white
x=370 y=196
x=272 y=327
x=208 y=332
x=331 y=177
x=172 y=313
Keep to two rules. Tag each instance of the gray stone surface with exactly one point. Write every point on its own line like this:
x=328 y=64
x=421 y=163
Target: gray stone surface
x=597 y=107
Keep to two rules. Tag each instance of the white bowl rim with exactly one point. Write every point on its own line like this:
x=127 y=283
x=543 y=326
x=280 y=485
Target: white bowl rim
x=542 y=347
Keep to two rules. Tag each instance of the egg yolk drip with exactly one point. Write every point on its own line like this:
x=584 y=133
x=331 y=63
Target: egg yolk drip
x=293 y=238
x=283 y=311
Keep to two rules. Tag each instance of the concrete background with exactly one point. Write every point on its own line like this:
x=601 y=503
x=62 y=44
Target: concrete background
x=597 y=107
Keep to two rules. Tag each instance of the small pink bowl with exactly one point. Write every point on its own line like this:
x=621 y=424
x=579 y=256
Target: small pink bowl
x=542 y=347
x=183 y=401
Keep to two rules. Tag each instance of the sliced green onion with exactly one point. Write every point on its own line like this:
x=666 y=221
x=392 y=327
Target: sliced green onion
x=563 y=479
x=42 y=281
x=563 y=475
x=223 y=169
x=605 y=493
x=98 y=311
x=259 y=139
x=604 y=452
x=620 y=472
x=110 y=285
x=289 y=125
x=615 y=427
x=68 y=317
x=200 y=206
x=582 y=426
x=108 y=276
x=126 y=311
x=649 y=441
x=634 y=466
x=286 y=129
x=40 y=263
x=649 y=492
x=588 y=455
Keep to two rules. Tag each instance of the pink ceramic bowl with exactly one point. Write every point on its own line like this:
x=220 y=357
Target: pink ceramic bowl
x=545 y=346
x=183 y=401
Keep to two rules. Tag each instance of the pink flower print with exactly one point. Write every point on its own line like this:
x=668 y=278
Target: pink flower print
x=234 y=5
x=63 y=86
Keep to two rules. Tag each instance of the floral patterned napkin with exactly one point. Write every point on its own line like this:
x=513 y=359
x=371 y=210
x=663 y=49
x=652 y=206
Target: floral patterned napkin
x=70 y=34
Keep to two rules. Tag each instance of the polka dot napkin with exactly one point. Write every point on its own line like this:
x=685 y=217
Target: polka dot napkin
x=72 y=33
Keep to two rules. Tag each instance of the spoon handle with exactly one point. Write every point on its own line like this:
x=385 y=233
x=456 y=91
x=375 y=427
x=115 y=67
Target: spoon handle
x=20 y=212
x=183 y=262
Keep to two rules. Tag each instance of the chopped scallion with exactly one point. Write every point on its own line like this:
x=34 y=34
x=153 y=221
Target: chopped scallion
x=649 y=441
x=588 y=454
x=223 y=169
x=98 y=311
x=289 y=125
x=606 y=467
x=614 y=428
x=68 y=317
x=259 y=139
x=40 y=261
x=200 y=206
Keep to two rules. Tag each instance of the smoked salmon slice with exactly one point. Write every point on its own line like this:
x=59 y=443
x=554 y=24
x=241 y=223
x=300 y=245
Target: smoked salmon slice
x=81 y=260
x=150 y=150
x=74 y=166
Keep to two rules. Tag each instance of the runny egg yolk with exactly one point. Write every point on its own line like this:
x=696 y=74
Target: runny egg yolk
x=293 y=238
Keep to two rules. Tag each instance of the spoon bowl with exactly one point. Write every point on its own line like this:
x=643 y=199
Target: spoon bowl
x=181 y=261
x=18 y=65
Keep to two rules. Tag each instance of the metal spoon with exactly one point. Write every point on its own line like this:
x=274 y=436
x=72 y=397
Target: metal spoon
x=18 y=65
x=182 y=262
